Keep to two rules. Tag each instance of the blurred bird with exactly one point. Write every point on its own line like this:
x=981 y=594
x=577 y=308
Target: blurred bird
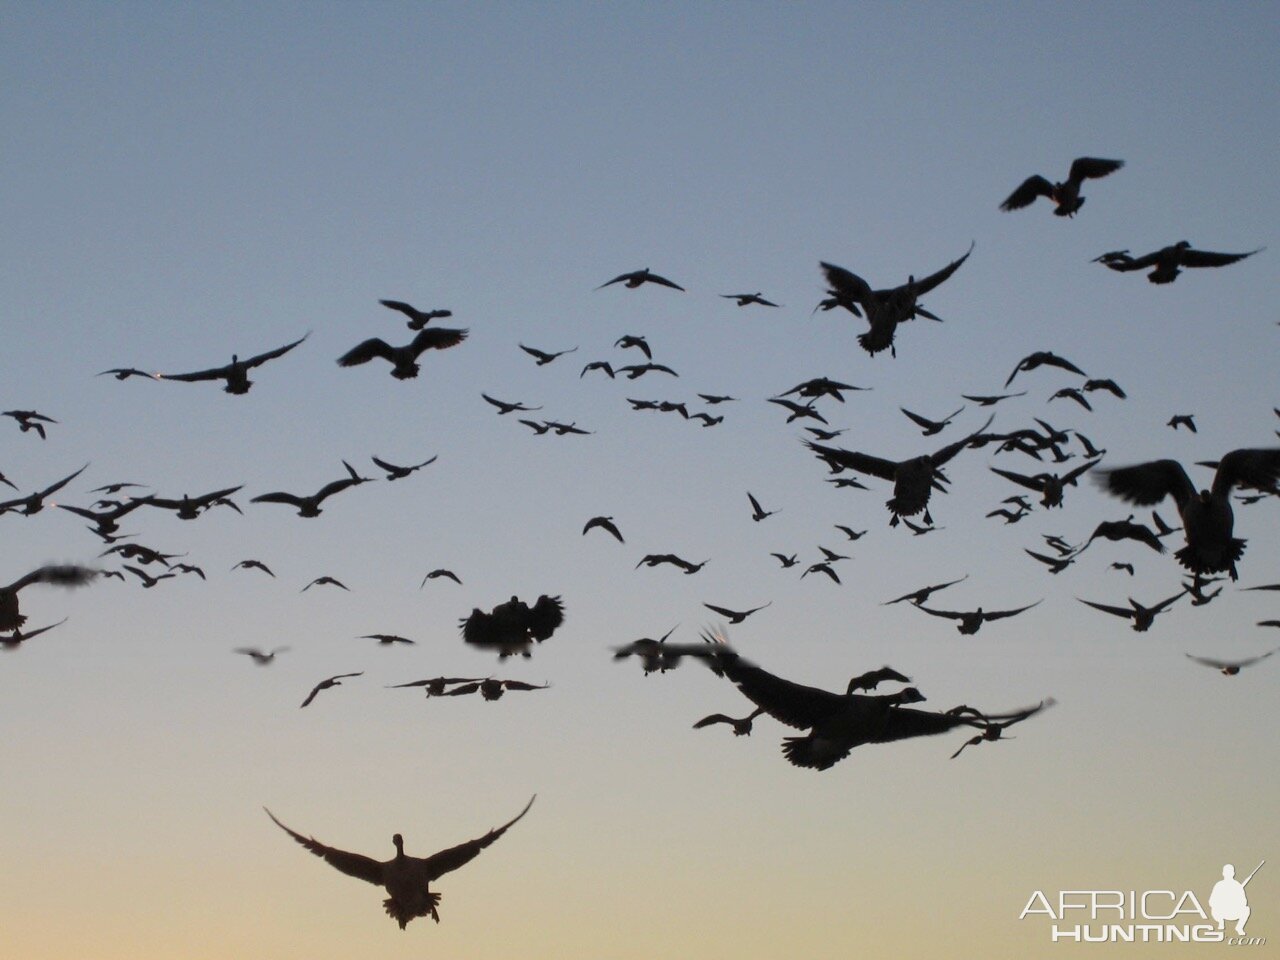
x=991 y=401
x=1182 y=420
x=258 y=657
x=1066 y=194
x=654 y=559
x=514 y=626
x=334 y=681
x=745 y=299
x=435 y=687
x=388 y=639
x=235 y=373
x=1229 y=668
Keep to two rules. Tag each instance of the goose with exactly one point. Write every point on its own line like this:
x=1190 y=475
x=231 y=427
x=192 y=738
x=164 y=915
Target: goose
x=786 y=561
x=514 y=626
x=714 y=398
x=253 y=565
x=406 y=879
x=309 y=506
x=991 y=401
x=597 y=365
x=33 y=503
x=1207 y=518
x=1050 y=486
x=637 y=277
x=403 y=360
x=437 y=574
x=1143 y=617
x=1167 y=261
x=1071 y=393
x=259 y=657
x=1066 y=194
x=417 y=318
x=236 y=373
x=655 y=655
x=822 y=566
x=798 y=411
x=1183 y=420
x=634 y=370
x=930 y=427
x=124 y=373
x=399 y=473
x=603 y=523
x=189 y=508
x=758 y=512
x=334 y=681
x=492 y=689
x=1043 y=358
x=628 y=341
x=921 y=595
x=1229 y=668
x=741 y=728
x=825 y=435
x=435 y=687
x=1117 y=530
x=148 y=581
x=1055 y=564
x=30 y=420
x=746 y=299
x=971 y=621
x=190 y=568
x=105 y=521
x=822 y=387
x=707 y=419
x=736 y=616
x=388 y=639
x=654 y=559
x=993 y=730
x=325 y=581
x=1109 y=385
x=849 y=532
x=542 y=356
x=1195 y=589
x=19 y=637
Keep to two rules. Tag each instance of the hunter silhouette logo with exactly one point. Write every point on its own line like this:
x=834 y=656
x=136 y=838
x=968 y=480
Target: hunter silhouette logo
x=1228 y=900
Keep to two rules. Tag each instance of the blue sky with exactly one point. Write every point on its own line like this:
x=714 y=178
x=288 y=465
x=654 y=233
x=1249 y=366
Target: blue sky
x=186 y=182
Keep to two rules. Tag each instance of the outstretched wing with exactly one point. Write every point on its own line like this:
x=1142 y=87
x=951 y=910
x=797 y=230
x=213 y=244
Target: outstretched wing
x=545 y=616
x=1031 y=483
x=272 y=354
x=437 y=338
x=794 y=704
x=934 y=279
x=846 y=283
x=1027 y=192
x=366 y=351
x=437 y=865
x=352 y=864
x=1118 y=611
x=1090 y=168
x=1146 y=484
x=1207 y=258
x=1001 y=614
x=1258 y=469
x=852 y=460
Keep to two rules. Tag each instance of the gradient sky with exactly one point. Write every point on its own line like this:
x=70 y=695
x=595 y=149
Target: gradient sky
x=184 y=182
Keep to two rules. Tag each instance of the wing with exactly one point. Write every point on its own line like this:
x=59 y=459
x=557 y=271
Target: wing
x=654 y=278
x=1001 y=614
x=1146 y=484
x=272 y=354
x=951 y=449
x=852 y=460
x=1258 y=469
x=1027 y=192
x=1127 y=264
x=63 y=482
x=445 y=861
x=1206 y=258
x=846 y=283
x=216 y=373
x=352 y=864
x=545 y=616
x=62 y=575
x=521 y=685
x=1083 y=168
x=618 y=279
x=791 y=703
x=917 y=419
x=437 y=338
x=288 y=498
x=402 y=307
x=949 y=614
x=1031 y=483
x=905 y=722
x=1118 y=611
x=366 y=351
x=934 y=279
x=329 y=489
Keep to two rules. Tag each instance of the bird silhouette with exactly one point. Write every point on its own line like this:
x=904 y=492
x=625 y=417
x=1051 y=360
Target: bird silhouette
x=1043 y=358
x=325 y=581
x=629 y=341
x=253 y=565
x=741 y=728
x=235 y=373
x=435 y=687
x=334 y=681
x=403 y=360
x=971 y=621
x=746 y=299
x=991 y=401
x=636 y=277
x=259 y=657
x=736 y=616
x=417 y=318
x=30 y=420
x=758 y=512
x=930 y=427
x=514 y=626
x=1182 y=420
x=309 y=506
x=604 y=523
x=406 y=879
x=33 y=503
x=1229 y=668
x=923 y=593
x=1167 y=262
x=542 y=356
x=1050 y=486
x=1142 y=616
x=399 y=473
x=148 y=580
x=1066 y=194
x=188 y=507
x=389 y=639
x=440 y=572
x=596 y=365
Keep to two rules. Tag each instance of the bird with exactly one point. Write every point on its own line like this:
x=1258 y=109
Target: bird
x=403 y=360
x=745 y=299
x=604 y=523
x=188 y=507
x=1042 y=358
x=325 y=581
x=1207 y=518
x=440 y=572
x=542 y=356
x=1009 y=516
x=1182 y=420
x=637 y=277
x=786 y=561
x=398 y=473
x=148 y=581
x=435 y=687
x=514 y=626
x=33 y=503
x=913 y=479
x=1229 y=668
x=406 y=879
x=1071 y=393
x=334 y=681
x=1050 y=486
x=823 y=566
x=634 y=370
x=492 y=689
x=654 y=559
x=536 y=427
x=735 y=616
x=1123 y=567
x=629 y=341
x=1055 y=564
x=1141 y=616
x=825 y=435
x=258 y=657
x=930 y=427
x=1168 y=261
x=887 y=308
x=707 y=419
x=561 y=429
x=596 y=365
x=1066 y=194
x=918 y=530
x=417 y=318
x=309 y=506
x=106 y=521
x=1109 y=385
x=253 y=565
x=758 y=512
x=235 y=373
x=971 y=621
x=994 y=730
x=124 y=373
x=991 y=401
x=1117 y=530
x=388 y=639
x=189 y=568
x=923 y=593
x=714 y=398
x=30 y=420
x=741 y=728
x=140 y=554
x=19 y=637
x=798 y=411
x=655 y=655
x=849 y=532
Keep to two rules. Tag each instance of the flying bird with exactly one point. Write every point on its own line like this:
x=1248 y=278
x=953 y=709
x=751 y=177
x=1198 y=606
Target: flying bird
x=994 y=730
x=1229 y=668
x=714 y=398
x=59 y=575
x=30 y=420
x=403 y=360
x=441 y=572
x=1141 y=616
x=971 y=621
x=1050 y=486
x=745 y=299
x=417 y=318
x=736 y=616
x=604 y=523
x=542 y=356
x=594 y=365
x=991 y=401
x=1071 y=393
x=1168 y=261
x=388 y=639
x=635 y=370
x=741 y=728
x=34 y=502
x=786 y=561
x=235 y=373
x=406 y=879
x=334 y=681
x=822 y=387
x=1066 y=194
x=1043 y=358
x=253 y=565
x=1117 y=530
x=19 y=637
x=398 y=473
x=930 y=427
x=637 y=277
x=435 y=687
x=1109 y=385
x=492 y=689
x=654 y=559
x=514 y=626
x=758 y=512
x=325 y=581
x=628 y=341
x=1182 y=420
x=148 y=581
x=921 y=595
x=188 y=507
x=309 y=506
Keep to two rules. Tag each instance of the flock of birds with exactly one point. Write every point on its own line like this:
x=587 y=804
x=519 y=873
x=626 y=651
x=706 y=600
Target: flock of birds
x=829 y=723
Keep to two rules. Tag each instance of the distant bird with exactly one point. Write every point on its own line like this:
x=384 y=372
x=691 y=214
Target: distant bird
x=971 y=621
x=923 y=594
x=656 y=656
x=741 y=728
x=309 y=506
x=1089 y=449
x=1229 y=668
x=637 y=277
x=745 y=299
x=505 y=407
x=1123 y=567
x=1066 y=194
x=1010 y=516
x=399 y=473
x=850 y=482
x=514 y=626
x=1050 y=486
x=147 y=579
x=992 y=400
x=830 y=556
x=654 y=559
x=604 y=523
x=1071 y=393
x=758 y=512
x=106 y=521
x=435 y=687
x=1109 y=385
x=918 y=530
x=1055 y=564
x=1043 y=358
x=253 y=565
x=707 y=419
x=19 y=637
x=34 y=502
x=140 y=554
x=258 y=657
x=235 y=373
x=536 y=427
x=188 y=507
x=786 y=561
x=189 y=568
x=736 y=616
x=403 y=360
x=627 y=341
x=561 y=429
x=417 y=318
x=441 y=572
x=714 y=398
x=598 y=365
x=542 y=356
x=30 y=420
x=1117 y=530
x=913 y=479
x=993 y=730
x=124 y=373
x=822 y=387
x=334 y=681
x=1141 y=616
x=825 y=435
x=849 y=532
x=388 y=639
x=325 y=581
x=1207 y=518
x=798 y=411
x=1167 y=261
x=1195 y=589
x=405 y=878
x=635 y=370
x=930 y=427
x=823 y=566
x=1182 y=420
x=492 y=689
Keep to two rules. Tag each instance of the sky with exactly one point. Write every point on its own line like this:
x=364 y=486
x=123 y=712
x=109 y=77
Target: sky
x=188 y=182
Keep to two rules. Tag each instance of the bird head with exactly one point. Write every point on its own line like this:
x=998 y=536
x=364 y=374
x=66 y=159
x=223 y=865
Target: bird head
x=399 y=842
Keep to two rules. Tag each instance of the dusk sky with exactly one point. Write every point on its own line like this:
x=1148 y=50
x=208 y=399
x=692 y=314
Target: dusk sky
x=184 y=182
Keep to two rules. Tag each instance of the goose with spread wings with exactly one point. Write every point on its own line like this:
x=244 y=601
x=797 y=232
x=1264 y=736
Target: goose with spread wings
x=1065 y=195
x=404 y=359
x=406 y=879
x=1207 y=518
x=236 y=373
x=309 y=506
x=1167 y=261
